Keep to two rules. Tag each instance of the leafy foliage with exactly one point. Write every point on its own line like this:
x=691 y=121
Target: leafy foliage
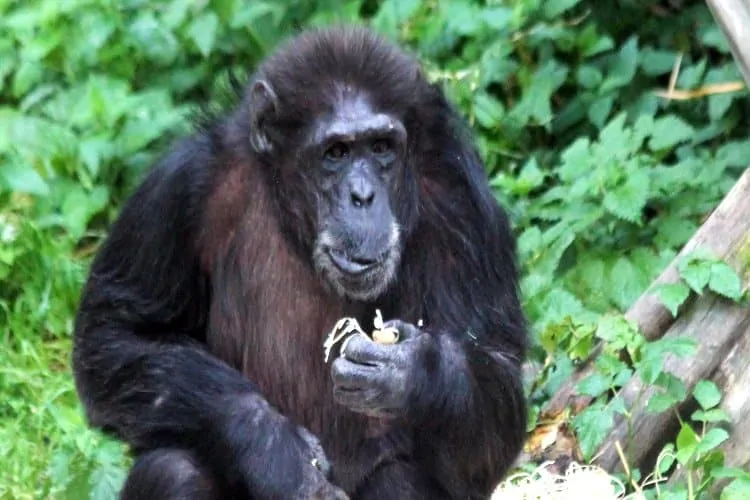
x=604 y=179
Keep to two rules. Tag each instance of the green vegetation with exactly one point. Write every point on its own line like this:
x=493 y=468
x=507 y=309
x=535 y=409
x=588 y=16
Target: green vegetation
x=604 y=179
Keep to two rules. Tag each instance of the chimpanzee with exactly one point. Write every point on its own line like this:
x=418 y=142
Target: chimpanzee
x=341 y=183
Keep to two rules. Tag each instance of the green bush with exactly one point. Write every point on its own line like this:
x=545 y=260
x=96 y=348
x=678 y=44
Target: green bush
x=604 y=179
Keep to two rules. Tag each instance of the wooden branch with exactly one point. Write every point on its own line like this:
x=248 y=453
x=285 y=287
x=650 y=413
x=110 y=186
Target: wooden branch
x=715 y=323
x=733 y=17
x=724 y=232
x=733 y=377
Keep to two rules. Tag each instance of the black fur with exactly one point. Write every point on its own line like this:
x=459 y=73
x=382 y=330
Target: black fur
x=199 y=336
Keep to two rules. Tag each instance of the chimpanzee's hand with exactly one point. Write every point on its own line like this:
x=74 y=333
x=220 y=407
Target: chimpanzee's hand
x=376 y=379
x=276 y=457
x=315 y=485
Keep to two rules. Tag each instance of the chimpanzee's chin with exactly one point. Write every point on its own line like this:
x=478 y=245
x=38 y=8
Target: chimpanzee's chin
x=358 y=272
x=364 y=285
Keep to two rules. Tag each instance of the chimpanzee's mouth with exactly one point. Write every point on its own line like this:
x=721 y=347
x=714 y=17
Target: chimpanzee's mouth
x=356 y=264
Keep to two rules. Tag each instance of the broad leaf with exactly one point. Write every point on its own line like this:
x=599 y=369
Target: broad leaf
x=672 y=295
x=203 y=32
x=725 y=281
x=22 y=178
x=707 y=394
x=669 y=131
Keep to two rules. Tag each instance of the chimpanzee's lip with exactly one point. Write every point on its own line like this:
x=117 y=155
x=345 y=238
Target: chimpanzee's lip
x=355 y=265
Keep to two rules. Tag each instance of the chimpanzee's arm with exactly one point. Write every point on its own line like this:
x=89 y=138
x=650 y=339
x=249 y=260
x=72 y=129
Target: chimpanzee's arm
x=469 y=408
x=141 y=368
x=456 y=383
x=469 y=412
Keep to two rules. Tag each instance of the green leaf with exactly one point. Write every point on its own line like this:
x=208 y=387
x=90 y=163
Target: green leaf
x=59 y=468
x=600 y=109
x=152 y=39
x=176 y=12
x=590 y=42
x=669 y=131
x=581 y=343
x=530 y=177
x=713 y=438
x=496 y=64
x=553 y=8
x=498 y=18
x=535 y=102
x=93 y=150
x=739 y=489
x=674 y=231
x=594 y=385
x=734 y=154
x=667 y=459
x=530 y=240
x=651 y=365
x=106 y=482
x=673 y=386
x=713 y=415
x=626 y=278
x=681 y=347
x=731 y=472
x=627 y=200
x=28 y=74
x=393 y=13
x=602 y=44
x=589 y=76
x=719 y=104
x=657 y=62
x=714 y=37
x=696 y=273
x=591 y=274
x=618 y=406
x=642 y=129
x=707 y=394
x=660 y=402
x=251 y=12
x=623 y=66
x=687 y=442
x=79 y=206
x=725 y=281
x=592 y=425
x=622 y=377
x=576 y=160
x=462 y=17
x=614 y=144
x=617 y=332
x=609 y=364
x=560 y=303
x=692 y=75
x=552 y=336
x=22 y=178
x=672 y=295
x=202 y=30
x=488 y=110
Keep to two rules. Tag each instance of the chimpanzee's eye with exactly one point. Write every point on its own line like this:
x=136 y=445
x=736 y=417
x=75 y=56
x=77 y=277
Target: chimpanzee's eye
x=337 y=151
x=381 y=146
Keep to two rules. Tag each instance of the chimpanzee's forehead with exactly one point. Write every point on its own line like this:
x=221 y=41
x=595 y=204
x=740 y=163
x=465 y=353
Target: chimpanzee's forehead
x=354 y=101
x=352 y=114
x=351 y=103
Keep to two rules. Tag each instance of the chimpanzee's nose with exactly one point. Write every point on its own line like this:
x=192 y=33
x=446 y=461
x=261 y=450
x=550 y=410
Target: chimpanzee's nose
x=362 y=193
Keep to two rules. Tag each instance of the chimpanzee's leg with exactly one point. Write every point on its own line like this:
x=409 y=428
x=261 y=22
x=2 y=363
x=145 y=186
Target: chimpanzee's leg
x=402 y=480
x=169 y=474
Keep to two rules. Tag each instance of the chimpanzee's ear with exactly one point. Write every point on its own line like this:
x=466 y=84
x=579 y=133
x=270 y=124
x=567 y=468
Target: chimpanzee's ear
x=419 y=75
x=263 y=105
